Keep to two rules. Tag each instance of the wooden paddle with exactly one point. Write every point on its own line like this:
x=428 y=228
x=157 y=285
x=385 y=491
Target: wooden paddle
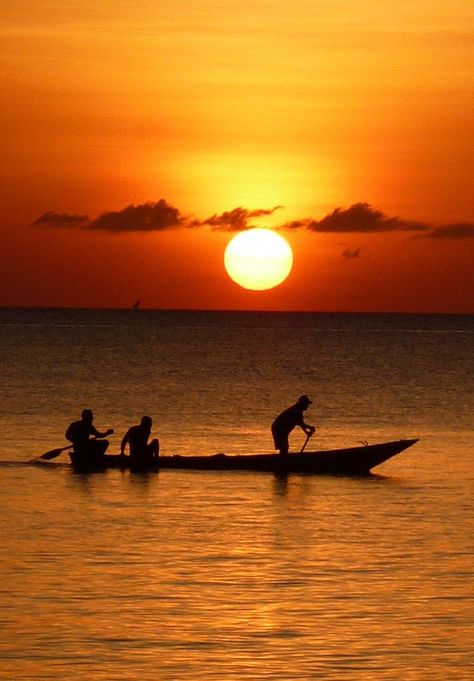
x=53 y=453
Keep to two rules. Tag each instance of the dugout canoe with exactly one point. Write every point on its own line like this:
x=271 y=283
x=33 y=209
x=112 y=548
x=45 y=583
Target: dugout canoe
x=358 y=460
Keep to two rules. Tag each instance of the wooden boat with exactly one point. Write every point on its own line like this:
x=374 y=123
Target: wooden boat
x=350 y=461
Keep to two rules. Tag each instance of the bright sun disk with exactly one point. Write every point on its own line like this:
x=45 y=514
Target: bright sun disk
x=258 y=259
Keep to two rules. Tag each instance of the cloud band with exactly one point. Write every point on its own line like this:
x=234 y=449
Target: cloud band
x=360 y=218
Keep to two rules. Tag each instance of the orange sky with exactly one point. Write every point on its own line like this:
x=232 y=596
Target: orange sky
x=354 y=118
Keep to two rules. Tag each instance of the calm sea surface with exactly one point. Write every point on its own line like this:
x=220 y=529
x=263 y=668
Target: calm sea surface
x=212 y=575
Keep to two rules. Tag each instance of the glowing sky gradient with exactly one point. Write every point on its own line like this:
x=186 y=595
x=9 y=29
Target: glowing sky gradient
x=138 y=137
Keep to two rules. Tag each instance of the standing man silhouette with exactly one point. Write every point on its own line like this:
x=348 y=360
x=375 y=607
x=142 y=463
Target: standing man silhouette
x=289 y=419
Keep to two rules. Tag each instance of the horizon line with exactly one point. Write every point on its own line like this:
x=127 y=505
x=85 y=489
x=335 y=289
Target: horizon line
x=141 y=309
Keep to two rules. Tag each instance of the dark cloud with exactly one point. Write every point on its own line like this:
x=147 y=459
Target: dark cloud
x=459 y=230
x=237 y=219
x=155 y=216
x=61 y=220
x=351 y=252
x=360 y=217
x=147 y=217
x=160 y=215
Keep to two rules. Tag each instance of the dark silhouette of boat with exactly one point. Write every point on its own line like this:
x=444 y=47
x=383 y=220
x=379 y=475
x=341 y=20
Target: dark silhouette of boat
x=349 y=461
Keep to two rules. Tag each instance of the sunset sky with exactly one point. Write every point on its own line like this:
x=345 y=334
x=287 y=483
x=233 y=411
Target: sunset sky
x=138 y=137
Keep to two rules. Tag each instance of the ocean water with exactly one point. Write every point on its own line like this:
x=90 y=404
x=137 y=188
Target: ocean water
x=232 y=575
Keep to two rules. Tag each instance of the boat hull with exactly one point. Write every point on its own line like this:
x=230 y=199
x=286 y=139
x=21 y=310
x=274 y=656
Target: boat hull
x=350 y=461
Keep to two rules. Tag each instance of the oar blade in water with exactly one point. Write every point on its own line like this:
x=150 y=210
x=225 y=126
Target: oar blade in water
x=53 y=453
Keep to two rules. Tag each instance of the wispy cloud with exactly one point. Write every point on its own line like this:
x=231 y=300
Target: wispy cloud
x=458 y=230
x=351 y=252
x=237 y=219
x=61 y=220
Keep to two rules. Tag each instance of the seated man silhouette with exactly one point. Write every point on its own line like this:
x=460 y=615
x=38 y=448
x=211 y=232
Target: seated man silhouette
x=85 y=449
x=142 y=452
x=287 y=420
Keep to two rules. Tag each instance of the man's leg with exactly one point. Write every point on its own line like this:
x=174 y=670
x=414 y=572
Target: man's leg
x=281 y=442
x=153 y=449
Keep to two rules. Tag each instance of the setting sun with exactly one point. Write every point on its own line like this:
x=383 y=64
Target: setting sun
x=258 y=259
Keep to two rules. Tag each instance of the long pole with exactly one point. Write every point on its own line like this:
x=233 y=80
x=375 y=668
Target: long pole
x=305 y=442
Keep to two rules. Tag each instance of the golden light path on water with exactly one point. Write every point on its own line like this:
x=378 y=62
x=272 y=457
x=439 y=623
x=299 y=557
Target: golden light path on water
x=202 y=576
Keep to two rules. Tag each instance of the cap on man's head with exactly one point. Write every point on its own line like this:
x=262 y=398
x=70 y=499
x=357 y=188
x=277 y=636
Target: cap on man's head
x=304 y=399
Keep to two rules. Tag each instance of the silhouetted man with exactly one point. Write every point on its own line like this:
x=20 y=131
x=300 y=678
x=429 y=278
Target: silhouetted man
x=86 y=450
x=142 y=452
x=287 y=420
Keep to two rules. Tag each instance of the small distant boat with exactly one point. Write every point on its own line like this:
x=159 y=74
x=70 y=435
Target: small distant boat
x=136 y=305
x=350 y=461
